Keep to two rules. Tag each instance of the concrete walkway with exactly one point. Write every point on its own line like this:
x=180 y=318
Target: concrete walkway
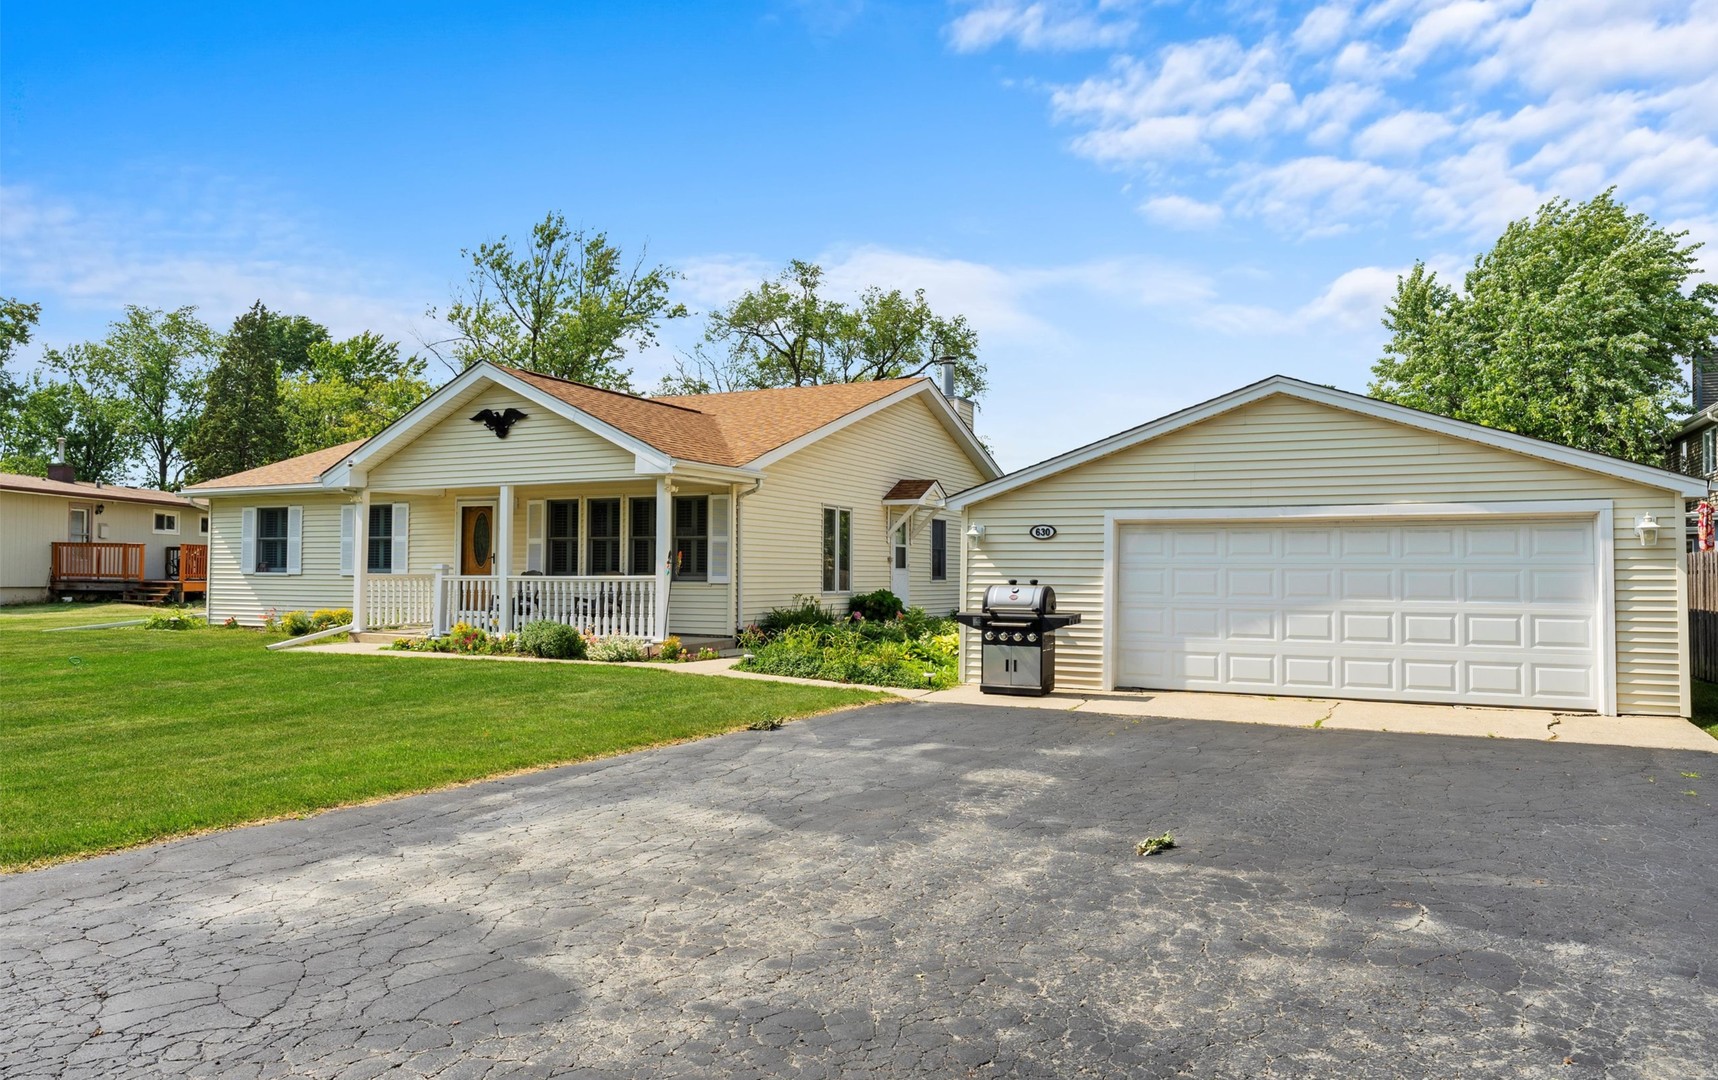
x=1536 y=725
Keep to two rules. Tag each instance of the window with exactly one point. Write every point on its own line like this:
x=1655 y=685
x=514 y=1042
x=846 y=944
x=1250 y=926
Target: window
x=563 y=536
x=901 y=546
x=381 y=558
x=641 y=530
x=837 y=550
x=167 y=523
x=939 y=549
x=271 y=539
x=604 y=536
x=78 y=527
x=203 y=525
x=691 y=537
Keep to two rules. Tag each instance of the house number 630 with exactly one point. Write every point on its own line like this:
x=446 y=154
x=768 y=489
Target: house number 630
x=1042 y=532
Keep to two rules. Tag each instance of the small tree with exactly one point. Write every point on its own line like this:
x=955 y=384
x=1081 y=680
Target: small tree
x=1573 y=328
x=568 y=306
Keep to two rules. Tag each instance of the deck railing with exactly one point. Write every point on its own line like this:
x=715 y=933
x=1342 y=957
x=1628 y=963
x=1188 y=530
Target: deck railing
x=193 y=563
x=399 y=599
x=603 y=606
x=101 y=561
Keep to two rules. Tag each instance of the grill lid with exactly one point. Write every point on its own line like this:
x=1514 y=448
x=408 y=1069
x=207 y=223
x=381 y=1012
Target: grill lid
x=1020 y=600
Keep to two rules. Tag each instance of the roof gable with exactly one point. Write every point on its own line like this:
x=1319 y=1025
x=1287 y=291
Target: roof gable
x=1339 y=400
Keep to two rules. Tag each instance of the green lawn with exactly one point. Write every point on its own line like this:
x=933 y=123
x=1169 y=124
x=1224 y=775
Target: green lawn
x=110 y=738
x=1706 y=706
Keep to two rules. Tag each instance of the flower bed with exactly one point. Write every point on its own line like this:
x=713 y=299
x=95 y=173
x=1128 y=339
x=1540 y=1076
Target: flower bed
x=911 y=650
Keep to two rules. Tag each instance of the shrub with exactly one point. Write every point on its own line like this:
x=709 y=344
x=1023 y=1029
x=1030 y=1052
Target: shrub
x=329 y=618
x=861 y=652
x=618 y=649
x=463 y=638
x=551 y=641
x=876 y=606
x=295 y=623
x=671 y=649
x=709 y=654
x=750 y=638
x=805 y=611
x=179 y=618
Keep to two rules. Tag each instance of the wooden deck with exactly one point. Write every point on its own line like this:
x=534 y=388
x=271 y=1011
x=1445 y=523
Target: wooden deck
x=104 y=567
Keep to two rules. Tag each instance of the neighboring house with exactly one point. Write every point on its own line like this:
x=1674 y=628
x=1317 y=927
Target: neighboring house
x=508 y=496
x=59 y=536
x=1694 y=449
x=1291 y=539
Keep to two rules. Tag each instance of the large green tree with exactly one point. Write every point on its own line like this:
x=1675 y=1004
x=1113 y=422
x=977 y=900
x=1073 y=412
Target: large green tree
x=241 y=425
x=349 y=390
x=16 y=320
x=1574 y=328
x=98 y=446
x=567 y=305
x=152 y=363
x=786 y=332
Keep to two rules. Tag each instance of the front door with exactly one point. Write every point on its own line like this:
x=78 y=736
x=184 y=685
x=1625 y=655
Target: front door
x=476 y=540
x=900 y=578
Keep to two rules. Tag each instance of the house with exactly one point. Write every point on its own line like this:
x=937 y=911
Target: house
x=508 y=496
x=61 y=536
x=1291 y=539
x=1694 y=448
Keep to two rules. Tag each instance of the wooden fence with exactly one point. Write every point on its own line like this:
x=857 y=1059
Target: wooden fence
x=1703 y=614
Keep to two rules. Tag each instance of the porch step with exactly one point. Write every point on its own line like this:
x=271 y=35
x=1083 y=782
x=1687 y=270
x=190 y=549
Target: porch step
x=150 y=592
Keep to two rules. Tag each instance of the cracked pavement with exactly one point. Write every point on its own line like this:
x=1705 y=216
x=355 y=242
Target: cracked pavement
x=933 y=889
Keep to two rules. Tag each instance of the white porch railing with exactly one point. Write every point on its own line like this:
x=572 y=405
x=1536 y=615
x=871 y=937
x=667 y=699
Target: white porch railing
x=399 y=599
x=603 y=606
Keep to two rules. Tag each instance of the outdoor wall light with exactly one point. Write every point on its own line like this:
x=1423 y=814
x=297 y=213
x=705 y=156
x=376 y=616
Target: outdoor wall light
x=976 y=533
x=1646 y=527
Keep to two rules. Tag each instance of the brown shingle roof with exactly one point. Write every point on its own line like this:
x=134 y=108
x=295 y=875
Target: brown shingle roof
x=754 y=422
x=908 y=489
x=36 y=485
x=729 y=429
x=304 y=469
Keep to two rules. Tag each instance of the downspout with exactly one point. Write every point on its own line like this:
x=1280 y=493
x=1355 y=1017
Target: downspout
x=739 y=579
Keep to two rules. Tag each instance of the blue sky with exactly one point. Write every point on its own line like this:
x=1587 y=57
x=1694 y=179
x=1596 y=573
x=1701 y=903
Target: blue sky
x=1140 y=205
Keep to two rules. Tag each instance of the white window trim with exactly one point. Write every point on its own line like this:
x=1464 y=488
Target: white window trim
x=155 y=528
x=203 y=525
x=839 y=551
x=1600 y=510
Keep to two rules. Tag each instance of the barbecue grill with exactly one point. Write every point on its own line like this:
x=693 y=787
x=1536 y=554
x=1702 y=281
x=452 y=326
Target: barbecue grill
x=1016 y=632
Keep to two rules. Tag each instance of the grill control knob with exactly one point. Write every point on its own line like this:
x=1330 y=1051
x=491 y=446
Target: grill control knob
x=1031 y=637
x=990 y=635
x=1016 y=635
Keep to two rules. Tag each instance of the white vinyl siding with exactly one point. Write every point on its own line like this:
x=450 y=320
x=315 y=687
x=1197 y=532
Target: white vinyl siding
x=1283 y=451
x=246 y=597
x=781 y=527
x=543 y=448
x=30 y=522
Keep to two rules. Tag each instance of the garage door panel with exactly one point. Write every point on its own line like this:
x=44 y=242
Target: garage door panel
x=1498 y=613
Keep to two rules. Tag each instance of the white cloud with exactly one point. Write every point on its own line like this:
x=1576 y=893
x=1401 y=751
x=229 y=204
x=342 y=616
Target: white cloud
x=1402 y=134
x=1044 y=25
x=1323 y=27
x=208 y=244
x=1181 y=212
x=1355 y=299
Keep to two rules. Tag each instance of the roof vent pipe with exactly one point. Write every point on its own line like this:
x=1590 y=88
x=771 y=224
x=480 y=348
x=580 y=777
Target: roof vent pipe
x=947 y=363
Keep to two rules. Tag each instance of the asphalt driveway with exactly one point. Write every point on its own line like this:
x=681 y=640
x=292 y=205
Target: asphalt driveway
x=914 y=888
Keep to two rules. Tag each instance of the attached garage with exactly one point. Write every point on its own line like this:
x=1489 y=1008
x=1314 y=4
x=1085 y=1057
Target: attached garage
x=1290 y=539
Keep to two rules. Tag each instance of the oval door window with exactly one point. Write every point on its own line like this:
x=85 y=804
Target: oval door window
x=480 y=538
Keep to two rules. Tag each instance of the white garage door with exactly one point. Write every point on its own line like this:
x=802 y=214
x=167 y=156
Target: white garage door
x=1495 y=613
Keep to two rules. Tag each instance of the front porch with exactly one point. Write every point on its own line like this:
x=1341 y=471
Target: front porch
x=581 y=554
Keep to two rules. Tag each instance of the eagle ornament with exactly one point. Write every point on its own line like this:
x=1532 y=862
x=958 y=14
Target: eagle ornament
x=499 y=422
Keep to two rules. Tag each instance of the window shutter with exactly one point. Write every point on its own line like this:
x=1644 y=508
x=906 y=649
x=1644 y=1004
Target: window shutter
x=402 y=536
x=720 y=554
x=248 y=540
x=534 y=516
x=348 y=537
x=295 y=539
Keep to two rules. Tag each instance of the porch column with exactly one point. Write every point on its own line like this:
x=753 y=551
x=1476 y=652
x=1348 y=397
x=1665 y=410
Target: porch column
x=504 y=554
x=664 y=552
x=360 y=559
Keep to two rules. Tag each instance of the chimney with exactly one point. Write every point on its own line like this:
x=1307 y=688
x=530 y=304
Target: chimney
x=963 y=407
x=58 y=469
